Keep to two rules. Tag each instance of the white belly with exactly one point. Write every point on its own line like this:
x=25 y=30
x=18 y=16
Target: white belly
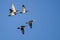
x=24 y=11
x=12 y=14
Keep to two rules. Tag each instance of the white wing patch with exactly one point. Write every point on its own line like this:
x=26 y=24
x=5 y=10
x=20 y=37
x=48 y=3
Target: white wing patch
x=13 y=8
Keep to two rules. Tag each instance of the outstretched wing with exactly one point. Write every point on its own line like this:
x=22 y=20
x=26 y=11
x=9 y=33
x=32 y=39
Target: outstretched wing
x=13 y=8
x=18 y=28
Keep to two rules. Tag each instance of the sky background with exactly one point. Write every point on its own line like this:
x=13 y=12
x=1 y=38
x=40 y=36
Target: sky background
x=45 y=12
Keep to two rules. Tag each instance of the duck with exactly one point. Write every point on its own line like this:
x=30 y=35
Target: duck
x=13 y=10
x=23 y=9
x=30 y=23
x=21 y=28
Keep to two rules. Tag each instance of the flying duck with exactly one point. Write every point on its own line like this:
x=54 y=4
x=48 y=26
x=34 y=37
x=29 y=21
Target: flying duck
x=21 y=28
x=13 y=10
x=30 y=23
x=24 y=9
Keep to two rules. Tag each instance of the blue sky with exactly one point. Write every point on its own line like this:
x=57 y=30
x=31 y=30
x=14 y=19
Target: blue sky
x=45 y=12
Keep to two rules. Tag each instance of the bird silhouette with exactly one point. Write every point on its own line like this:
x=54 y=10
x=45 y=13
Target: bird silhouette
x=29 y=23
x=21 y=28
x=24 y=9
x=13 y=10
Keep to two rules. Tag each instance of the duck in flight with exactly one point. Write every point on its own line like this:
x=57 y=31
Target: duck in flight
x=13 y=11
x=30 y=23
x=21 y=28
x=24 y=9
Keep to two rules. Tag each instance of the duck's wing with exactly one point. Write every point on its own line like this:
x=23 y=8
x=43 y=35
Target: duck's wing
x=13 y=8
x=18 y=28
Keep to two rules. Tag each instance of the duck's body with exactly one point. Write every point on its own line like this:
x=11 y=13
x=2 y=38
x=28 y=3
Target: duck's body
x=29 y=23
x=21 y=28
x=23 y=10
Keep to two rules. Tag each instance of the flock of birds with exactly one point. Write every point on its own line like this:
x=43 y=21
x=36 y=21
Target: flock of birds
x=14 y=12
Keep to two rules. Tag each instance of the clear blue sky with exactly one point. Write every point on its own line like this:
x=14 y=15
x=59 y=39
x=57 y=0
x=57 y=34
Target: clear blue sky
x=45 y=12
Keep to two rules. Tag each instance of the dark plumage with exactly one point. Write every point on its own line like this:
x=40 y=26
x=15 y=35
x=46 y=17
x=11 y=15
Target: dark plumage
x=23 y=6
x=21 y=28
x=11 y=10
x=29 y=23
